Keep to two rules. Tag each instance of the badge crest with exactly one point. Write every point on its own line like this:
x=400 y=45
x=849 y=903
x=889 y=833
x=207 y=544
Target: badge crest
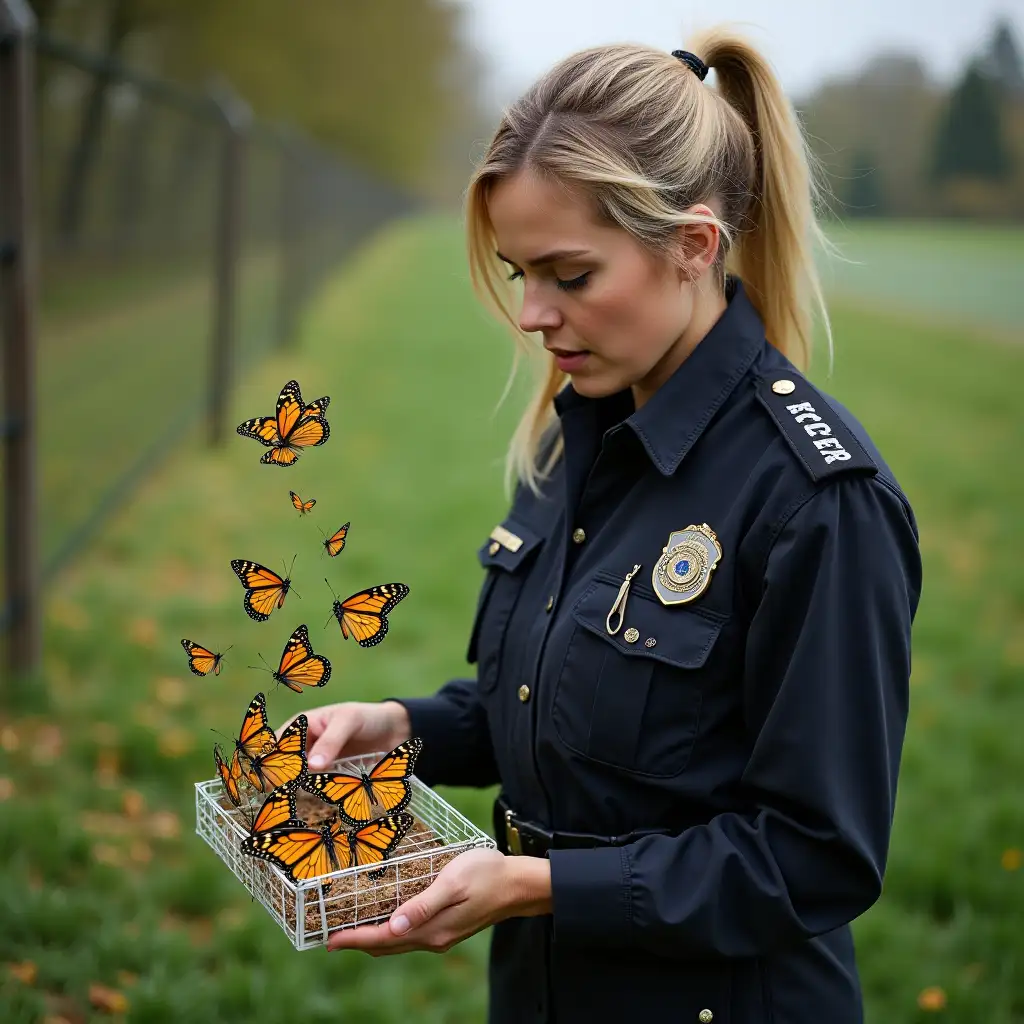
x=686 y=564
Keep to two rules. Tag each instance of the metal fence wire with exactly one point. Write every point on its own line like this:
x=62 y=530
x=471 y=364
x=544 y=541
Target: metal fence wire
x=171 y=240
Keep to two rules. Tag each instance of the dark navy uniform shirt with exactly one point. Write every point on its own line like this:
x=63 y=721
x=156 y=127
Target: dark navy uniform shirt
x=760 y=724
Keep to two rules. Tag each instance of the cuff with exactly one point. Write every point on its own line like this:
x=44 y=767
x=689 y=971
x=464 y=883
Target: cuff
x=440 y=726
x=591 y=896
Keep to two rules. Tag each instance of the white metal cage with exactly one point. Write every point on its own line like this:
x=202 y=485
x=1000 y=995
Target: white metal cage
x=308 y=911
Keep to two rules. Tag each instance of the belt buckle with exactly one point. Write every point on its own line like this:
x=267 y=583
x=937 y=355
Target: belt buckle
x=512 y=839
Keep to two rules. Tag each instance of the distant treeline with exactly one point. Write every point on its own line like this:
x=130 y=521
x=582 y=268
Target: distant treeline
x=896 y=144
x=389 y=83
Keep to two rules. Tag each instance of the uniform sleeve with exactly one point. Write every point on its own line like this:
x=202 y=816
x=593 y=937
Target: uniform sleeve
x=457 y=747
x=825 y=691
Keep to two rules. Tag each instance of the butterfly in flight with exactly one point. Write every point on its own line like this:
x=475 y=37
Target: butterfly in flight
x=335 y=544
x=385 y=785
x=278 y=810
x=364 y=615
x=310 y=852
x=255 y=737
x=230 y=773
x=200 y=660
x=282 y=763
x=293 y=426
x=302 y=507
x=263 y=588
x=299 y=665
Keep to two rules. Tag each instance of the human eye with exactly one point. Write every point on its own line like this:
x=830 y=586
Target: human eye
x=573 y=283
x=515 y=275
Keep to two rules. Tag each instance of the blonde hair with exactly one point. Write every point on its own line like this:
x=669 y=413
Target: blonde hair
x=637 y=131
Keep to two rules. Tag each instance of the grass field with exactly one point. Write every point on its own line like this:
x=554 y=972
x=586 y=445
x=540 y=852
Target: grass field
x=102 y=881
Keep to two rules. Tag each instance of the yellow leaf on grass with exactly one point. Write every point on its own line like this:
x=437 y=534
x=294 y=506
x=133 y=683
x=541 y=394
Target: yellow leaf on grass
x=170 y=692
x=143 y=632
x=9 y=739
x=132 y=803
x=932 y=998
x=25 y=972
x=104 y=853
x=6 y=788
x=1011 y=859
x=107 y=1000
x=141 y=853
x=165 y=825
x=176 y=742
x=47 y=745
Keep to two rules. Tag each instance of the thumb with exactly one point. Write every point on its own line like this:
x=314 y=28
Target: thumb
x=418 y=911
x=331 y=741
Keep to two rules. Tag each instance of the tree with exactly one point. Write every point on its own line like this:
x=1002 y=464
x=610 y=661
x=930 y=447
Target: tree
x=864 y=195
x=970 y=141
x=1004 y=60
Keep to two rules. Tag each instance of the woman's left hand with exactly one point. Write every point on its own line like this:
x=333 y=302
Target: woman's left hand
x=477 y=889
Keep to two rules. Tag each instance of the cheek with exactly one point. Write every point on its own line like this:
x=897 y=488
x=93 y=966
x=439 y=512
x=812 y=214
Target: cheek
x=631 y=316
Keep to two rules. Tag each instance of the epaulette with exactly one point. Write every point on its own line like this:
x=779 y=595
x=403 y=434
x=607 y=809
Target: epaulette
x=820 y=439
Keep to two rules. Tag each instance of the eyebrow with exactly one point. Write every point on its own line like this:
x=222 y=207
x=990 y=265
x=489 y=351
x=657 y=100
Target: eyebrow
x=548 y=257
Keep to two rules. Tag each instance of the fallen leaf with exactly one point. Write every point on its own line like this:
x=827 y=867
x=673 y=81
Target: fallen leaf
x=133 y=803
x=9 y=739
x=932 y=999
x=6 y=788
x=104 y=853
x=170 y=692
x=47 y=745
x=25 y=972
x=108 y=1000
x=1011 y=859
x=165 y=825
x=176 y=742
x=107 y=768
x=141 y=853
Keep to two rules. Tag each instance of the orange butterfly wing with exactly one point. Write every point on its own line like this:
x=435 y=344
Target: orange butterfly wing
x=302 y=507
x=278 y=810
x=230 y=774
x=389 y=776
x=264 y=589
x=374 y=843
x=335 y=544
x=286 y=762
x=364 y=615
x=255 y=737
x=347 y=791
x=301 y=853
x=200 y=660
x=299 y=665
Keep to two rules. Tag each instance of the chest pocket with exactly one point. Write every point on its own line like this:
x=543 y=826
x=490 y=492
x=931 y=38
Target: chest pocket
x=634 y=705
x=506 y=572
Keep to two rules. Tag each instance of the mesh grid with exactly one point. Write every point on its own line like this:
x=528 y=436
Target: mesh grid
x=342 y=899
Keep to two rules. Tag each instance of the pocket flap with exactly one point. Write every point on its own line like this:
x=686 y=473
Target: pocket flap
x=508 y=545
x=681 y=636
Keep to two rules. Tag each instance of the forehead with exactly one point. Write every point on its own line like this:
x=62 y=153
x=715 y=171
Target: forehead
x=532 y=214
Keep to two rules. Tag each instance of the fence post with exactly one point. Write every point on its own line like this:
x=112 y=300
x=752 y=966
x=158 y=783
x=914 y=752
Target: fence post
x=234 y=116
x=18 y=270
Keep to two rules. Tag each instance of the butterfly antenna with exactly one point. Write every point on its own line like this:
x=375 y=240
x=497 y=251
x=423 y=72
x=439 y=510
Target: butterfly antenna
x=264 y=660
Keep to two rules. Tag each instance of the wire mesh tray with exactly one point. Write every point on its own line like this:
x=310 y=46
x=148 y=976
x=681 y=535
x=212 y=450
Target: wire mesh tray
x=310 y=910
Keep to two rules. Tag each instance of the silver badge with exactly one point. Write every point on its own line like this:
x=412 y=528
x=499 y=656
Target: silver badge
x=686 y=564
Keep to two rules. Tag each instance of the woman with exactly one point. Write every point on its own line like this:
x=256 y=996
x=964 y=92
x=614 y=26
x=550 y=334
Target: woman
x=693 y=639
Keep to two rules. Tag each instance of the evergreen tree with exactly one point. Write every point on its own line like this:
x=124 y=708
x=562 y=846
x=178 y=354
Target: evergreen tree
x=970 y=141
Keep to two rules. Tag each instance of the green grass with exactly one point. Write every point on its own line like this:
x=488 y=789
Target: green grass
x=414 y=369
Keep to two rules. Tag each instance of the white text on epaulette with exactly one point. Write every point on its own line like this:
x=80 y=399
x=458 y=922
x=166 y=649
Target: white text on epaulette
x=820 y=432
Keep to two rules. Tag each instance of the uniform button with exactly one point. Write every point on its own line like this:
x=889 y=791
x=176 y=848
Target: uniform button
x=550 y=604
x=493 y=547
x=705 y=1017
x=780 y=387
x=579 y=535
x=524 y=693
x=631 y=635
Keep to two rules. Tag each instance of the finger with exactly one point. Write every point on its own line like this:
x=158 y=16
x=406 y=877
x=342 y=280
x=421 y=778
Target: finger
x=331 y=741
x=415 y=913
x=371 y=938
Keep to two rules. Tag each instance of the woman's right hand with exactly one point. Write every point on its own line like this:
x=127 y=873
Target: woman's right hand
x=350 y=728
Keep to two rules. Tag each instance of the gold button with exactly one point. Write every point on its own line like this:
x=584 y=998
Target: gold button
x=493 y=548
x=524 y=693
x=780 y=387
x=706 y=1016
x=550 y=604
x=650 y=642
x=631 y=635
x=579 y=535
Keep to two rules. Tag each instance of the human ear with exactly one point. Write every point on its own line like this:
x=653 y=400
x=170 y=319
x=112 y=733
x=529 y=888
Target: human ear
x=697 y=245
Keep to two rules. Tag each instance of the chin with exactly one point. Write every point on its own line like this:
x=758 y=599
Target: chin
x=595 y=385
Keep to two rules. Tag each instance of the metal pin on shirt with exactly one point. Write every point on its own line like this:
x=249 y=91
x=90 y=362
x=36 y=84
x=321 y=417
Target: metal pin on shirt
x=619 y=608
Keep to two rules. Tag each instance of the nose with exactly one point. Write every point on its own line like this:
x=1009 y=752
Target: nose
x=537 y=312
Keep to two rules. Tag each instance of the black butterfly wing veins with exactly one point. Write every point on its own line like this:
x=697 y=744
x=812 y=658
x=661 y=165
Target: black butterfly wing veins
x=364 y=614
x=264 y=589
x=293 y=426
x=299 y=665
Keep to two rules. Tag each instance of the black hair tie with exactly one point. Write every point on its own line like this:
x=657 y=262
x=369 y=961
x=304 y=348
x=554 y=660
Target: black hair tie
x=693 y=62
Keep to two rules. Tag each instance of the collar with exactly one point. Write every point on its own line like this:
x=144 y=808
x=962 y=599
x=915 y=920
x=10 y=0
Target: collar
x=671 y=420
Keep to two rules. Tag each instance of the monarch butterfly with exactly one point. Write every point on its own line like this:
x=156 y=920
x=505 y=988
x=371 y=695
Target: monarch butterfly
x=278 y=810
x=255 y=737
x=230 y=774
x=299 y=665
x=263 y=588
x=302 y=507
x=282 y=763
x=335 y=544
x=304 y=853
x=364 y=615
x=293 y=427
x=385 y=784
x=200 y=660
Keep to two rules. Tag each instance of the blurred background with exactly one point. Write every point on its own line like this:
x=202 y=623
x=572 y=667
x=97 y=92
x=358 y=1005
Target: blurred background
x=201 y=200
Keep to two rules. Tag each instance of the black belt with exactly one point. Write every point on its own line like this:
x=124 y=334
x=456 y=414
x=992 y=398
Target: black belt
x=516 y=835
